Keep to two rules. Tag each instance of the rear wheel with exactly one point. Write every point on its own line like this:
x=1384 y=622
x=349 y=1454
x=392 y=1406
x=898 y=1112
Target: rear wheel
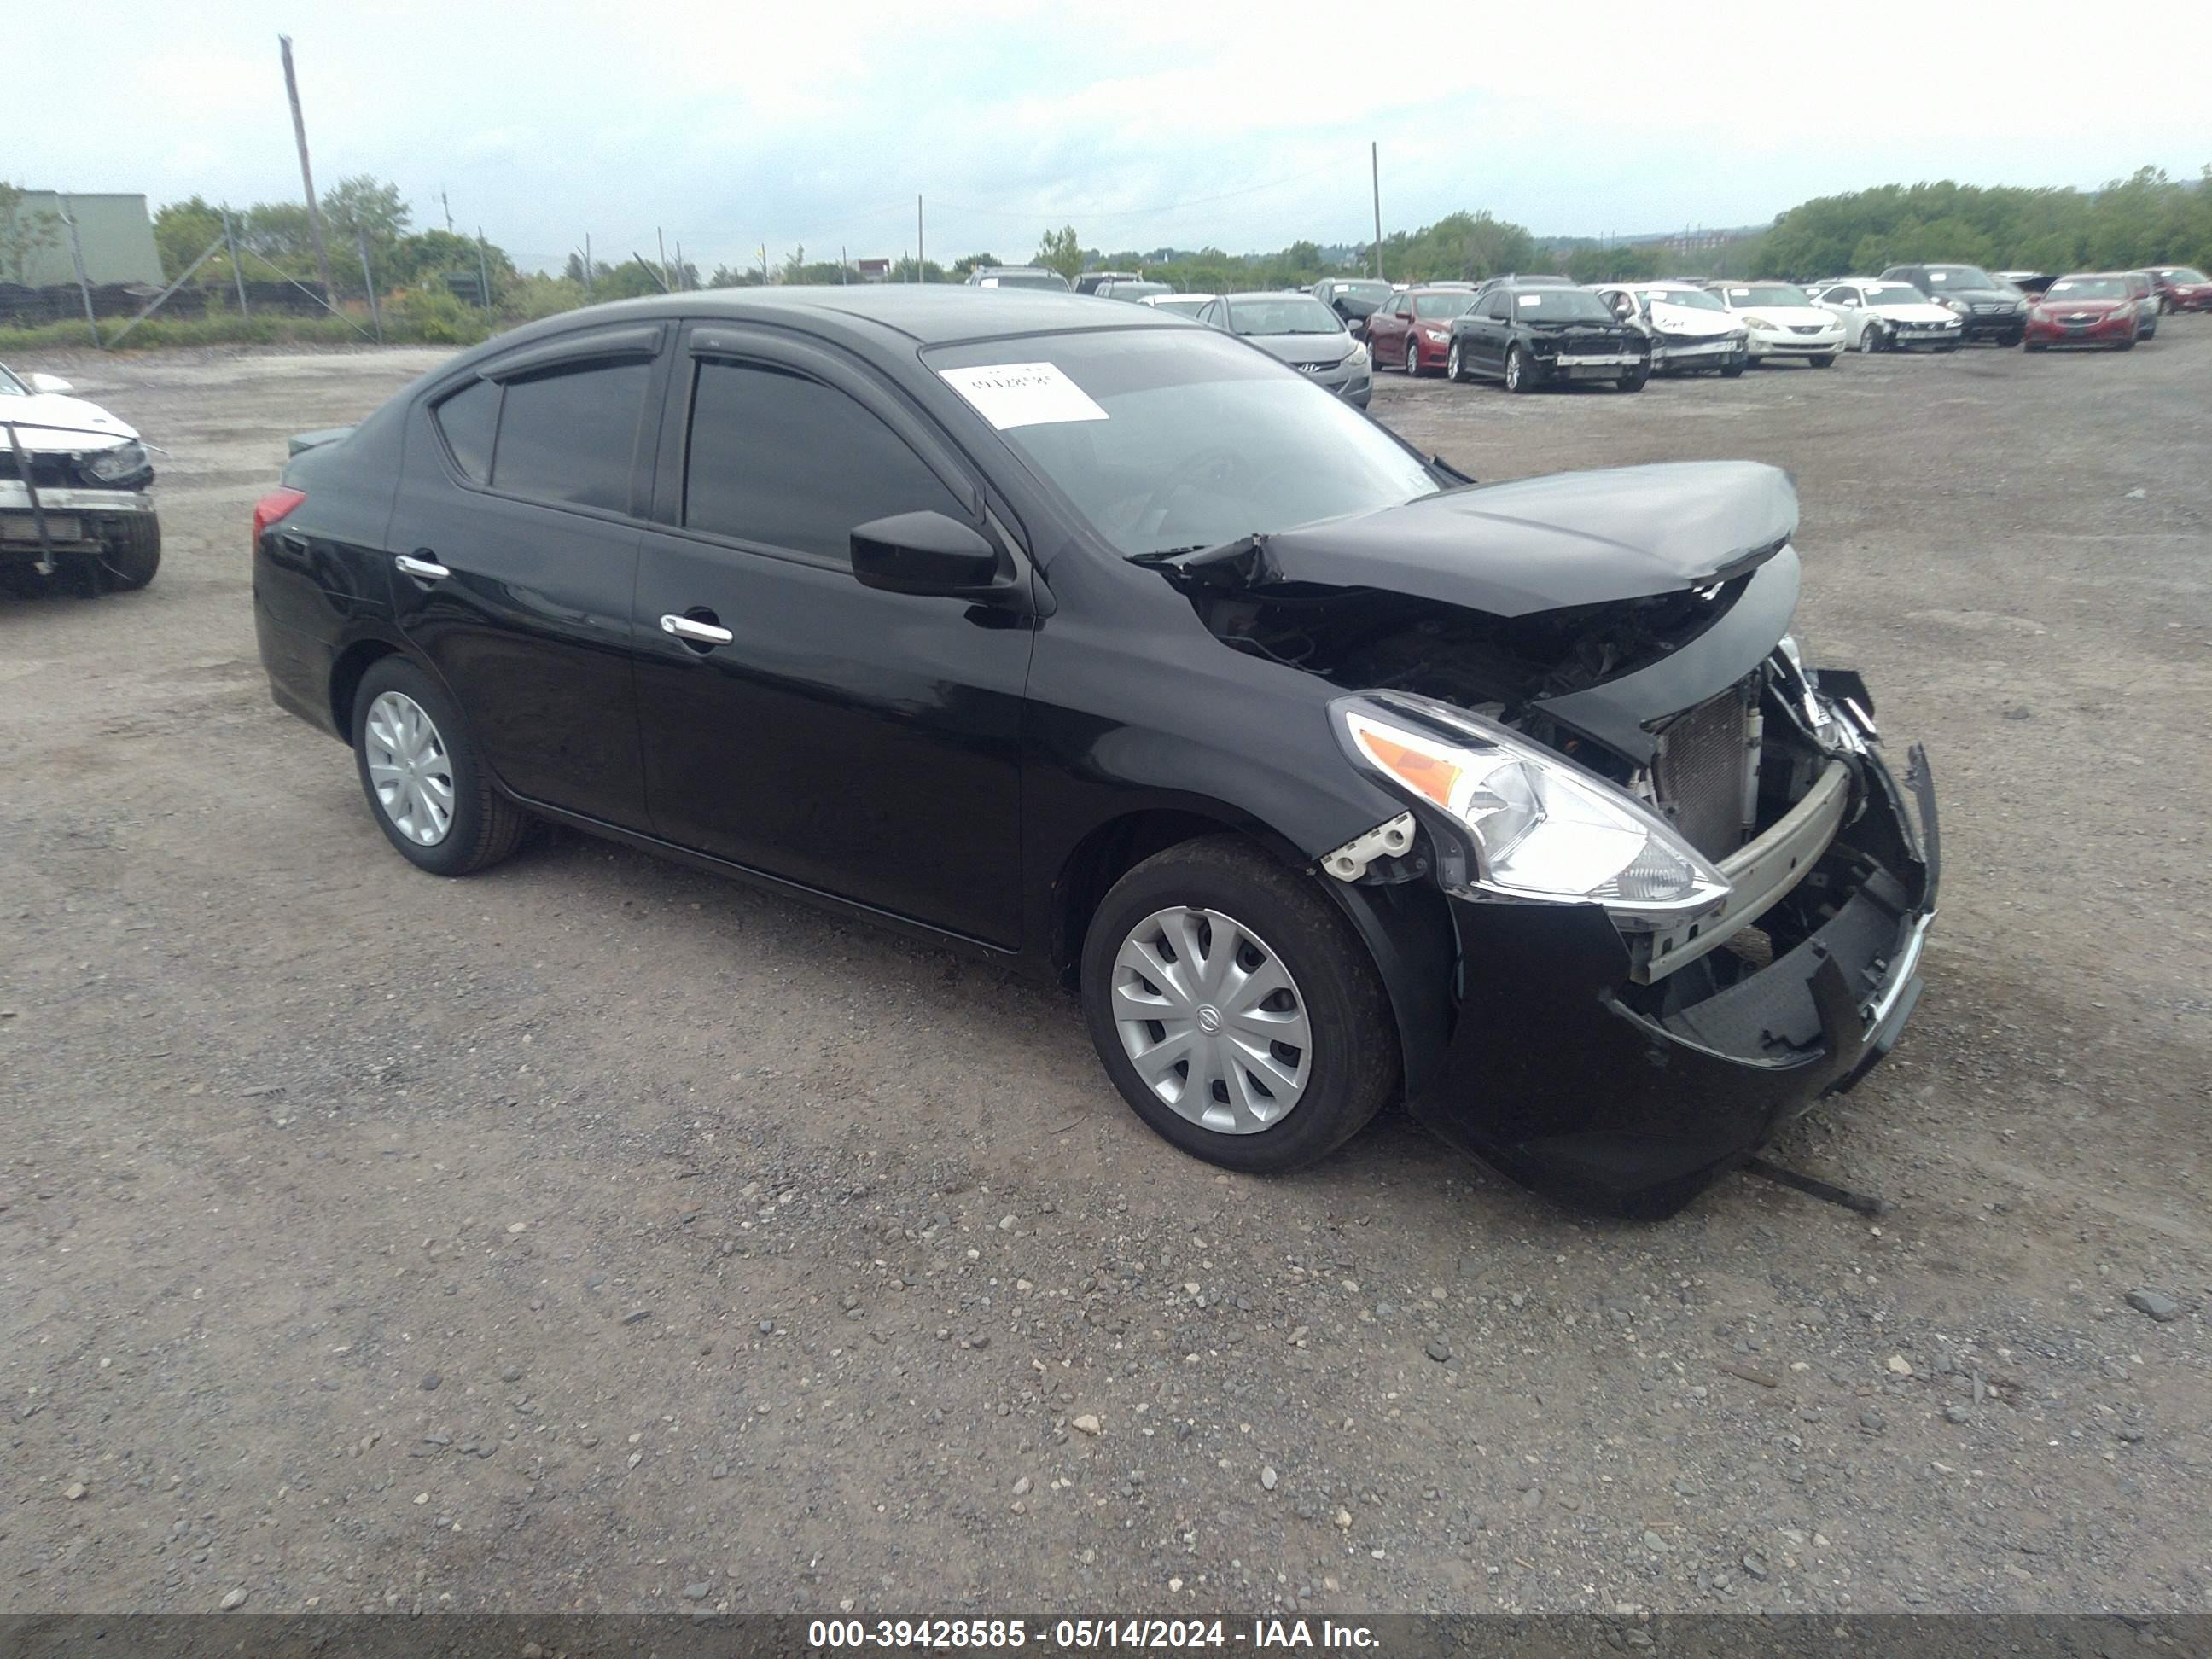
x=1518 y=377
x=428 y=792
x=1235 y=1008
x=130 y=560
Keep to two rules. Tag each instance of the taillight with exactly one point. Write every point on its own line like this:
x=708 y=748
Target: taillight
x=275 y=505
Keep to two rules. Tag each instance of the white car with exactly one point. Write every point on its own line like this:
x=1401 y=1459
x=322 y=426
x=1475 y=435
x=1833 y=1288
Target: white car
x=73 y=482
x=1183 y=305
x=1691 y=332
x=1879 y=316
x=1783 y=321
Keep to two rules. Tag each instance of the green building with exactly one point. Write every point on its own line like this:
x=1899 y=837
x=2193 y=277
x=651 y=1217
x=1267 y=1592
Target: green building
x=113 y=230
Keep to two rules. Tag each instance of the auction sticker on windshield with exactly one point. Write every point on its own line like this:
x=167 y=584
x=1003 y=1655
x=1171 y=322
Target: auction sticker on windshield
x=1023 y=394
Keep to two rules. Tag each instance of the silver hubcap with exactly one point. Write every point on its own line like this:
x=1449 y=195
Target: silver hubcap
x=1211 y=1020
x=1451 y=363
x=1412 y=358
x=1513 y=369
x=409 y=768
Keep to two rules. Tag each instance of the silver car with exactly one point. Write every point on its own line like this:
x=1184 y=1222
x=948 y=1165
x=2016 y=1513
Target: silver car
x=1301 y=331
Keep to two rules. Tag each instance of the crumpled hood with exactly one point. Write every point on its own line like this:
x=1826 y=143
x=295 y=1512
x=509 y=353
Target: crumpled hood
x=71 y=417
x=1513 y=550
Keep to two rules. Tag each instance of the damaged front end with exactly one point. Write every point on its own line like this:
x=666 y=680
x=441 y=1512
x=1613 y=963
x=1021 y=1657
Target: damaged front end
x=1688 y=896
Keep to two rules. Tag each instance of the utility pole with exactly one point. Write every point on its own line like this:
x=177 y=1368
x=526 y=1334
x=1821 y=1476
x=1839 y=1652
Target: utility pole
x=588 y=262
x=448 y=206
x=683 y=270
x=666 y=282
x=918 y=256
x=84 y=288
x=1374 y=177
x=306 y=174
x=763 y=254
x=237 y=271
x=843 y=278
x=483 y=269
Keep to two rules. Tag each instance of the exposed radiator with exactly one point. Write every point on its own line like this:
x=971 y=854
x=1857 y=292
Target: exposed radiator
x=1705 y=774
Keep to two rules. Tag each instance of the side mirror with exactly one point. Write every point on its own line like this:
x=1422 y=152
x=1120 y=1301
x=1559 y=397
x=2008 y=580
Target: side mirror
x=925 y=553
x=49 y=383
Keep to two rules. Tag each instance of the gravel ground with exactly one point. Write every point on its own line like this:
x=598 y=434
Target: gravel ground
x=592 y=1234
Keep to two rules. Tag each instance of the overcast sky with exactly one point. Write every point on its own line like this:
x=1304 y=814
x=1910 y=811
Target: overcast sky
x=1242 y=125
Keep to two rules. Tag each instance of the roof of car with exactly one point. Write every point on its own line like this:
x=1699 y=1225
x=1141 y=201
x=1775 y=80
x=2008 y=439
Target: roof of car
x=932 y=313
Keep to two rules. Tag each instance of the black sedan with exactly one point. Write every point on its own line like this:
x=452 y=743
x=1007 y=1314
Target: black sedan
x=1096 y=642
x=1535 y=334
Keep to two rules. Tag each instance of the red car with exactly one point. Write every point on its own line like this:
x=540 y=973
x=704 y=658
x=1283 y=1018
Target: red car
x=1413 y=331
x=2090 y=308
x=2181 y=288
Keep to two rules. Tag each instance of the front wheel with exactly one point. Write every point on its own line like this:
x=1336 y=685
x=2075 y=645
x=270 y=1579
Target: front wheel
x=1412 y=358
x=1518 y=377
x=2127 y=344
x=1734 y=371
x=429 y=794
x=1635 y=382
x=2036 y=345
x=1235 y=1008
x=130 y=560
x=1871 y=339
x=1452 y=365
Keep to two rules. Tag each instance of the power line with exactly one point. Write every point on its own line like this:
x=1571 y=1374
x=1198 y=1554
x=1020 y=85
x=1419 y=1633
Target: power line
x=1133 y=213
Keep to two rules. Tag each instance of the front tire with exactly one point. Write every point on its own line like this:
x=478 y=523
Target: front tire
x=1635 y=382
x=1871 y=339
x=1300 y=1049
x=426 y=788
x=1453 y=368
x=1413 y=359
x=1518 y=376
x=1734 y=371
x=128 y=563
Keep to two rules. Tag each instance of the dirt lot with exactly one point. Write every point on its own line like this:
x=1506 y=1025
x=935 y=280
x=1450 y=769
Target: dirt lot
x=592 y=1234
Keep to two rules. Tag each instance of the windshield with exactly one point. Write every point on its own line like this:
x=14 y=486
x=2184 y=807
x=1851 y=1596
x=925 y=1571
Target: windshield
x=2172 y=273
x=1962 y=277
x=1690 y=299
x=1895 y=293
x=1178 y=438
x=1560 y=305
x=1373 y=294
x=1134 y=290
x=1045 y=279
x=11 y=386
x=1183 y=305
x=1441 y=305
x=2087 y=287
x=1283 y=314
x=1767 y=294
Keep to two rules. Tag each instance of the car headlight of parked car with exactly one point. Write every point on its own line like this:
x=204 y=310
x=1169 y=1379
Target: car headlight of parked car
x=1542 y=828
x=1435 y=336
x=1758 y=322
x=113 y=465
x=1357 y=357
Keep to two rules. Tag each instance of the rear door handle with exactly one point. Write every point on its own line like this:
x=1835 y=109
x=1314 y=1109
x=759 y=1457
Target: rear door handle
x=697 y=632
x=427 y=569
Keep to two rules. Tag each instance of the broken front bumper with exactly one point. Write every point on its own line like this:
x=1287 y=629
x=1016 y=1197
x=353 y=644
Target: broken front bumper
x=1555 y=1077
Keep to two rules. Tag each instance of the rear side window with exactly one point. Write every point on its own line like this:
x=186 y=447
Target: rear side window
x=571 y=436
x=468 y=419
x=787 y=462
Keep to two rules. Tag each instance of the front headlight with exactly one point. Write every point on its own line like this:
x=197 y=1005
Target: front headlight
x=109 y=465
x=1542 y=828
x=1359 y=357
x=1758 y=322
x=1434 y=336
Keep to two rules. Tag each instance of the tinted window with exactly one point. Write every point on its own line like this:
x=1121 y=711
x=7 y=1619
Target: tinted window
x=468 y=418
x=571 y=436
x=788 y=462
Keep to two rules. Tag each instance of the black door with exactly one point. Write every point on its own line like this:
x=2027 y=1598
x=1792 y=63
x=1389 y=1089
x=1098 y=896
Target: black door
x=515 y=535
x=1484 y=348
x=861 y=743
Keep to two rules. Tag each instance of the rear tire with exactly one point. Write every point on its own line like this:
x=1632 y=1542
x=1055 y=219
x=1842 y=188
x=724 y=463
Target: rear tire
x=1348 y=1065
x=481 y=826
x=128 y=563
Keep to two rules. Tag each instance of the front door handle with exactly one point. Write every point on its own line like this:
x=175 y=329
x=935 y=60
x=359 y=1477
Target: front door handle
x=698 y=633
x=428 y=570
